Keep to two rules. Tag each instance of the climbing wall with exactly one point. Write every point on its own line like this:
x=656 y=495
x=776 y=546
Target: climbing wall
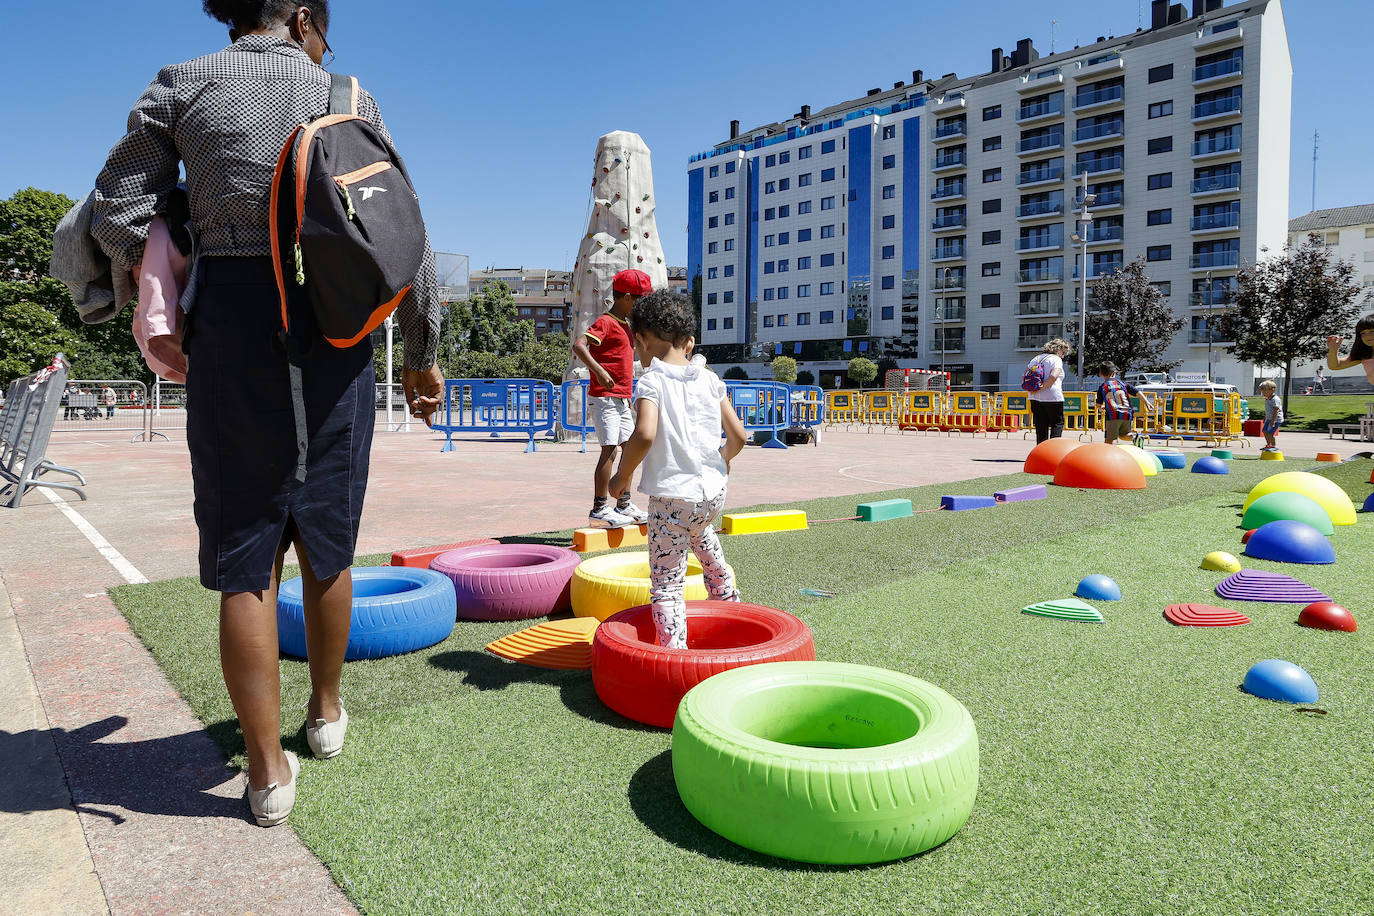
x=621 y=231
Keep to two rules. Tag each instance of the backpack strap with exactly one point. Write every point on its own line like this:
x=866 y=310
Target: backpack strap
x=343 y=94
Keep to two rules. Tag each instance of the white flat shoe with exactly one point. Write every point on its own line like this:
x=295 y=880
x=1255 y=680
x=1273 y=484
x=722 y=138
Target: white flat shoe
x=326 y=738
x=272 y=805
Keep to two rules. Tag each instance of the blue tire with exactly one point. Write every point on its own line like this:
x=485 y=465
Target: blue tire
x=396 y=609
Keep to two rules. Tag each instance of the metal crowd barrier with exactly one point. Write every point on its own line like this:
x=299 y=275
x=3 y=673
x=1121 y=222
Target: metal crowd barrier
x=26 y=422
x=764 y=407
x=498 y=407
x=807 y=406
x=103 y=405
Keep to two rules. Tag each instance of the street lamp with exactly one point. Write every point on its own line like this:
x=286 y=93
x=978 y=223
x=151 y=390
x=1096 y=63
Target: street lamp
x=1209 y=327
x=1082 y=240
x=942 y=277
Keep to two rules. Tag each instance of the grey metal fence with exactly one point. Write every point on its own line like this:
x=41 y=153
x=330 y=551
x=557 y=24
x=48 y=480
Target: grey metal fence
x=102 y=405
x=26 y=421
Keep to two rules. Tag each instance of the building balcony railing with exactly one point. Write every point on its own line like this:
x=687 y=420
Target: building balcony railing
x=949 y=161
x=1041 y=309
x=949 y=192
x=1040 y=241
x=1099 y=234
x=1209 y=260
x=1213 y=221
x=1109 y=131
x=949 y=131
x=1216 y=146
x=948 y=252
x=950 y=221
x=1216 y=183
x=1201 y=336
x=1036 y=144
x=1095 y=97
x=1219 y=34
x=1105 y=200
x=1218 y=70
x=950 y=313
x=1216 y=108
x=947 y=346
x=1039 y=176
x=1209 y=300
x=1100 y=164
x=953 y=281
x=1040 y=210
x=1033 y=341
x=1037 y=110
x=1041 y=275
x=1100 y=66
x=1098 y=271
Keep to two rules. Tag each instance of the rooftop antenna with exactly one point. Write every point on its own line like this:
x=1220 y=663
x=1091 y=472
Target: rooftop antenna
x=1316 y=142
x=1054 y=31
x=1139 y=14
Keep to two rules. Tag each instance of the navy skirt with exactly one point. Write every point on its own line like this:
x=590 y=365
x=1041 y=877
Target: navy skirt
x=242 y=434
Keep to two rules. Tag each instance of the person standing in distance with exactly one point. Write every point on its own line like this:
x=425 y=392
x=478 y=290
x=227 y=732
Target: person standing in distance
x=225 y=117
x=1047 y=402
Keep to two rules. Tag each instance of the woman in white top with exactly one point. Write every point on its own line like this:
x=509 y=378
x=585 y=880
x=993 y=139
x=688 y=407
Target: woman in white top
x=1047 y=403
x=681 y=410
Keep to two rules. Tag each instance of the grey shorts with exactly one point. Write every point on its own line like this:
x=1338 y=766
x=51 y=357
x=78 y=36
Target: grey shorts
x=612 y=419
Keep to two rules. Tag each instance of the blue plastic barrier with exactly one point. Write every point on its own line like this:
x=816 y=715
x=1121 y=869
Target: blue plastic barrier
x=764 y=407
x=572 y=408
x=497 y=406
x=807 y=406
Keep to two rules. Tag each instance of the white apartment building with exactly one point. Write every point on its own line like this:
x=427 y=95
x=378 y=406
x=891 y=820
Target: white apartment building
x=1349 y=233
x=935 y=222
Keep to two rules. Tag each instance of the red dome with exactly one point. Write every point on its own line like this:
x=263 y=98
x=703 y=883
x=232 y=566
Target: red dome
x=1100 y=467
x=1045 y=457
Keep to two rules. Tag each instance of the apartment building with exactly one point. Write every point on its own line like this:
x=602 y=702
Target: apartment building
x=938 y=223
x=541 y=295
x=1349 y=231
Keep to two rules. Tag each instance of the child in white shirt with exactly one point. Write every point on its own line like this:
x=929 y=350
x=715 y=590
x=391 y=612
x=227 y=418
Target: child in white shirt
x=681 y=409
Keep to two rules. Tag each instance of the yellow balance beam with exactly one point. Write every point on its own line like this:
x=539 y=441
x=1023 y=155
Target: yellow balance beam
x=764 y=522
x=590 y=540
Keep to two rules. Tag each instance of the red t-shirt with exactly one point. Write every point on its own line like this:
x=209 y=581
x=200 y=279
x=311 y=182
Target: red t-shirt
x=610 y=345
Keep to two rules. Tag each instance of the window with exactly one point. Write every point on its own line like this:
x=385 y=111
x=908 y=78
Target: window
x=713 y=197
x=770 y=213
x=992 y=269
x=784 y=184
x=729 y=321
x=889 y=252
x=992 y=237
x=990 y=175
x=782 y=292
x=803 y=207
x=889 y=162
x=729 y=244
x=827 y=203
x=768 y=319
x=783 y=265
x=729 y=270
x=712 y=247
x=1160 y=74
x=889 y=191
x=710 y=273
x=804 y=291
x=715 y=171
x=804 y=152
x=1166 y=288
x=992 y=206
x=992 y=300
x=770 y=187
x=782 y=319
x=889 y=133
x=803 y=317
x=1162 y=180
x=1159 y=253
x=710 y=324
x=729 y=219
x=889 y=222
x=1162 y=109
x=712 y=222
x=728 y=296
x=784 y=211
x=888 y=312
x=784 y=158
x=784 y=238
x=729 y=170
x=827 y=260
x=991 y=332
x=1159 y=217
x=770 y=161
x=729 y=193
x=711 y=298
x=992 y=112
x=827 y=146
x=804 y=263
x=1160 y=145
x=992 y=143
x=769 y=266
x=827 y=174
x=804 y=180
x=804 y=235
x=829 y=316
x=828 y=232
x=769 y=241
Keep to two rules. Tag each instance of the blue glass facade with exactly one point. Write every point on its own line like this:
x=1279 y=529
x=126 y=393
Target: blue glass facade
x=911 y=194
x=696 y=202
x=751 y=304
x=860 y=203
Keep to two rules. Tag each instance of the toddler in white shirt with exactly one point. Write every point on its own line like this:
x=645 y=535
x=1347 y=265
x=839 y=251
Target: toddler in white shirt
x=681 y=409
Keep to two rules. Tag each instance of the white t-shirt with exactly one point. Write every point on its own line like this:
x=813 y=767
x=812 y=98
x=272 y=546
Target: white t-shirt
x=685 y=461
x=1054 y=385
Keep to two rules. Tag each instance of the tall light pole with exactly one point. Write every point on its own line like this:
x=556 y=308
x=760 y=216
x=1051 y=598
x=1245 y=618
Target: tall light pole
x=1209 y=327
x=1081 y=238
x=942 y=278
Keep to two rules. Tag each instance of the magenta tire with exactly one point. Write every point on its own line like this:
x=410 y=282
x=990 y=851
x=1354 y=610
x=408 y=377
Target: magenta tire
x=509 y=581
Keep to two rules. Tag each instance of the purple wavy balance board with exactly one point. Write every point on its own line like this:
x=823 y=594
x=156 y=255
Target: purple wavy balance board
x=1261 y=585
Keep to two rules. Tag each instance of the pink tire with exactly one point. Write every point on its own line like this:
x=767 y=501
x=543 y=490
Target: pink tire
x=509 y=581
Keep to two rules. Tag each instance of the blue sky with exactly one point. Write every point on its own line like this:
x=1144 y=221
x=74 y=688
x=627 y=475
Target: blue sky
x=497 y=106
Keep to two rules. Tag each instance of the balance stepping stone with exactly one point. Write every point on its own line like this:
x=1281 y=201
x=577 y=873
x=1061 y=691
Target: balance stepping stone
x=1262 y=585
x=563 y=645
x=1021 y=494
x=963 y=503
x=1203 y=615
x=1065 y=609
x=883 y=510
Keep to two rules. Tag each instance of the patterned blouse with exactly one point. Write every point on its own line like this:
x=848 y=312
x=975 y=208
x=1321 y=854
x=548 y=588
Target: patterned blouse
x=227 y=115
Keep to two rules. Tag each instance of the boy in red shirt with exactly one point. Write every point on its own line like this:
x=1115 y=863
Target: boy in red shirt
x=608 y=352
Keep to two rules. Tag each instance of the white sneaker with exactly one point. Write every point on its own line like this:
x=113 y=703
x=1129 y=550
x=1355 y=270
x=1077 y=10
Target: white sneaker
x=326 y=738
x=272 y=805
x=635 y=514
x=608 y=517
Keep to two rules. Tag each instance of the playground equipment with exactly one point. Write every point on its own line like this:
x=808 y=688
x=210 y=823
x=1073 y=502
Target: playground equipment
x=1271 y=455
x=644 y=681
x=1170 y=460
x=1065 y=609
x=1097 y=466
x=1276 y=679
x=962 y=503
x=1225 y=454
x=1329 y=457
x=591 y=540
x=1285 y=504
x=564 y=645
x=395 y=610
x=1368 y=503
x=1150 y=465
x=421 y=557
x=1203 y=615
x=1021 y=494
x=883 y=510
x=1209 y=465
x=1262 y=585
x=509 y=581
x=1327 y=615
x=763 y=522
x=604 y=585
x=1221 y=561
x=1326 y=494
x=816 y=761
x=1097 y=587
x=1045 y=457
x=1287 y=541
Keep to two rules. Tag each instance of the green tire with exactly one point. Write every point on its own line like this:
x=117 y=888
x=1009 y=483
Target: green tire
x=825 y=762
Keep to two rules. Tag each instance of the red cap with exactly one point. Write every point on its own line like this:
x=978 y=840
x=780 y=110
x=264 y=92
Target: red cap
x=634 y=282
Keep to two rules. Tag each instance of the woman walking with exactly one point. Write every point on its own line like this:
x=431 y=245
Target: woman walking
x=226 y=116
x=1047 y=401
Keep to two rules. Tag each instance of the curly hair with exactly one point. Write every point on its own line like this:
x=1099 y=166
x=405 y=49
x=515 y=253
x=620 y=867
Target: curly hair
x=665 y=314
x=247 y=15
x=1359 y=349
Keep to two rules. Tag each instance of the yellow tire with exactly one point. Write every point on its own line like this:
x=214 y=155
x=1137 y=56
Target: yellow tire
x=610 y=583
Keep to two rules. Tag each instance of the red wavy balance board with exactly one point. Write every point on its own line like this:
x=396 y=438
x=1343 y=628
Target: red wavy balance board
x=1203 y=615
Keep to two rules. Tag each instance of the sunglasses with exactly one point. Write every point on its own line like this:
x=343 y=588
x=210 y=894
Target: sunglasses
x=327 y=49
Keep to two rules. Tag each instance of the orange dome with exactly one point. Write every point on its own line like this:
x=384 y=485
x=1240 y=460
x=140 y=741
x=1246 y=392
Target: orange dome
x=1100 y=467
x=1045 y=457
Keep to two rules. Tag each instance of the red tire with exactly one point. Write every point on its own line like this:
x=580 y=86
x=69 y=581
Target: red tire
x=643 y=681
x=509 y=581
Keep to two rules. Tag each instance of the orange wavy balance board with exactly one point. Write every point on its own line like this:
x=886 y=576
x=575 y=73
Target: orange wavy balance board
x=563 y=645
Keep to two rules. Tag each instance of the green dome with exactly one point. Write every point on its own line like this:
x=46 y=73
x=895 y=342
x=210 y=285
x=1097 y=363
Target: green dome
x=1287 y=505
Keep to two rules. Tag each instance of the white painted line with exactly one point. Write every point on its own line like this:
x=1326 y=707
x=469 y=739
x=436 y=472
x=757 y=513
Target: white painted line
x=107 y=550
x=887 y=483
x=99 y=444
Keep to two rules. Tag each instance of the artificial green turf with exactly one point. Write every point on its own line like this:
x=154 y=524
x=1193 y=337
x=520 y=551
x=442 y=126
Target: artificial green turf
x=1122 y=770
x=1314 y=412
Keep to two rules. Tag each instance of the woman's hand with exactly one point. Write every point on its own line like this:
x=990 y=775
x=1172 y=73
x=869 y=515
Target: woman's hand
x=1333 y=343
x=424 y=391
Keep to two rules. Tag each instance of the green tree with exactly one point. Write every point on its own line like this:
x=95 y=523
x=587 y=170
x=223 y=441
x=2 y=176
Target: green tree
x=736 y=374
x=862 y=370
x=488 y=322
x=1286 y=305
x=545 y=358
x=30 y=336
x=806 y=377
x=885 y=365
x=1131 y=324
x=784 y=369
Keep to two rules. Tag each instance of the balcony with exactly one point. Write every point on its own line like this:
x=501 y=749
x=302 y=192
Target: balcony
x=1217 y=146
x=953 y=281
x=1039 y=110
x=1029 y=177
x=1096 y=133
x=949 y=161
x=1043 y=81
x=949 y=192
x=943 y=133
x=1217 y=108
x=948 y=252
x=1050 y=308
x=1221 y=70
x=1040 y=275
x=1098 y=67
x=1217 y=298
x=1216 y=184
x=948 y=222
x=1202 y=336
x=952 y=101
x=1100 y=234
x=1041 y=241
x=1033 y=341
x=1098 y=271
x=951 y=313
x=1101 y=165
x=1038 y=144
x=1211 y=222
x=1222 y=33
x=1211 y=260
x=1094 y=98
x=954 y=345
x=1040 y=210
x=1106 y=200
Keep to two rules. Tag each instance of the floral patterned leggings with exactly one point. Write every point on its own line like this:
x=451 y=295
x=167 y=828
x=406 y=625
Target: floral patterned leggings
x=675 y=525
